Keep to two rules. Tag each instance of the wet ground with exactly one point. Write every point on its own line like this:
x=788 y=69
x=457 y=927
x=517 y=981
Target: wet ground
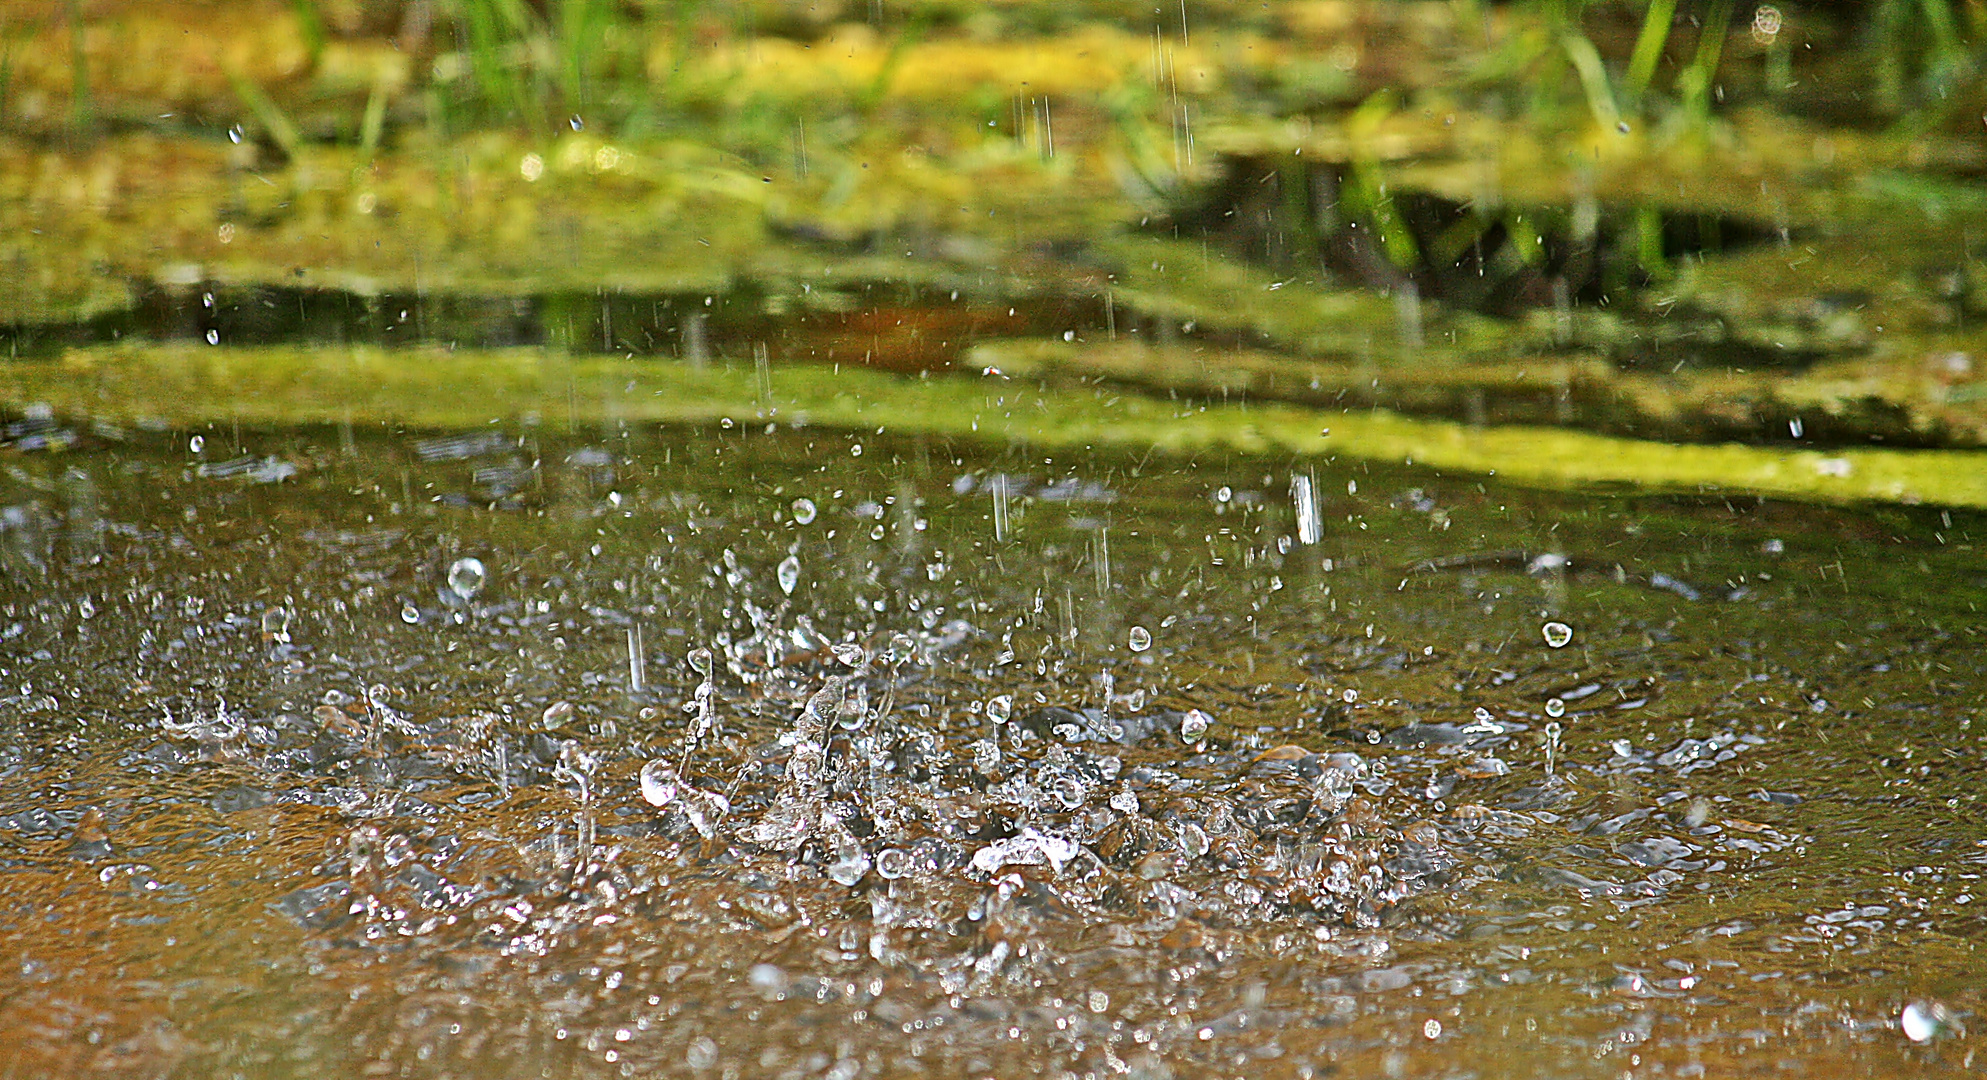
x=762 y=751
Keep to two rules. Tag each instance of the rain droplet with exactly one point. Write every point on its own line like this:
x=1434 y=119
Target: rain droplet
x=276 y=623
x=1000 y=708
x=1125 y=802
x=1557 y=634
x=703 y=1053
x=1140 y=639
x=1432 y=1029
x=658 y=783
x=850 y=653
x=1068 y=791
x=789 y=574
x=197 y=443
x=1194 y=725
x=465 y=577
x=213 y=337
x=1555 y=708
x=1097 y=1000
x=410 y=614
x=556 y=715
x=578 y=122
x=803 y=511
x=893 y=863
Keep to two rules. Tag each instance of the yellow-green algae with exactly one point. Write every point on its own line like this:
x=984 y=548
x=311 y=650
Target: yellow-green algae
x=441 y=388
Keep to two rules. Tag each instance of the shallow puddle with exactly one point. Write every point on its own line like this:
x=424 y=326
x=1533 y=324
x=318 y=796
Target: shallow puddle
x=774 y=752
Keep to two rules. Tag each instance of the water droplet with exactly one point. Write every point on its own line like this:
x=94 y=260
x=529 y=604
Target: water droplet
x=1622 y=747
x=1125 y=802
x=789 y=574
x=1000 y=708
x=1555 y=708
x=1432 y=1029
x=578 y=122
x=1350 y=696
x=703 y=1053
x=1924 y=1021
x=465 y=577
x=213 y=337
x=1097 y=1001
x=803 y=511
x=1140 y=639
x=1194 y=725
x=700 y=661
x=556 y=715
x=197 y=443
x=850 y=653
x=1557 y=634
x=1068 y=791
x=856 y=450
x=893 y=863
x=410 y=614
x=658 y=783
x=767 y=979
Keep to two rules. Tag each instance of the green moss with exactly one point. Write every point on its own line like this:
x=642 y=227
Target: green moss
x=434 y=388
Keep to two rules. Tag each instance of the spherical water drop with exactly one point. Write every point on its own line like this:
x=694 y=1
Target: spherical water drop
x=1555 y=708
x=1125 y=802
x=1000 y=708
x=197 y=443
x=410 y=614
x=276 y=622
x=658 y=783
x=213 y=337
x=1557 y=634
x=1068 y=791
x=789 y=574
x=850 y=653
x=803 y=511
x=1194 y=725
x=465 y=577
x=700 y=661
x=1140 y=639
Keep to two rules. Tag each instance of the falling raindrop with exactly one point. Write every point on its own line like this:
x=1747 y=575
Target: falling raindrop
x=1140 y=639
x=1555 y=708
x=850 y=653
x=276 y=623
x=197 y=443
x=1310 y=520
x=789 y=574
x=1557 y=634
x=803 y=511
x=1194 y=725
x=1069 y=791
x=409 y=614
x=213 y=337
x=1000 y=708
x=658 y=783
x=1125 y=802
x=893 y=863
x=465 y=577
x=1552 y=732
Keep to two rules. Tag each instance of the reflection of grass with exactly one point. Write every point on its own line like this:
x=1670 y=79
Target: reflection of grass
x=441 y=389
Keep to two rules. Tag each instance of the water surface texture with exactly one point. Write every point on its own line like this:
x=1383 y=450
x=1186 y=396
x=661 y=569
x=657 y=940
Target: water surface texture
x=766 y=752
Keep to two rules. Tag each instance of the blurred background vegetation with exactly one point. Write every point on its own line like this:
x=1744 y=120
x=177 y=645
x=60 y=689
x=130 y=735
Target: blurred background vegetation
x=1690 y=218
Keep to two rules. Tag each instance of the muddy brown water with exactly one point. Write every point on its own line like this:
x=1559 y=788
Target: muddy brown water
x=1020 y=765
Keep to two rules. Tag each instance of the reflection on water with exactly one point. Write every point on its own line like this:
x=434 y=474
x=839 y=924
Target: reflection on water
x=787 y=753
